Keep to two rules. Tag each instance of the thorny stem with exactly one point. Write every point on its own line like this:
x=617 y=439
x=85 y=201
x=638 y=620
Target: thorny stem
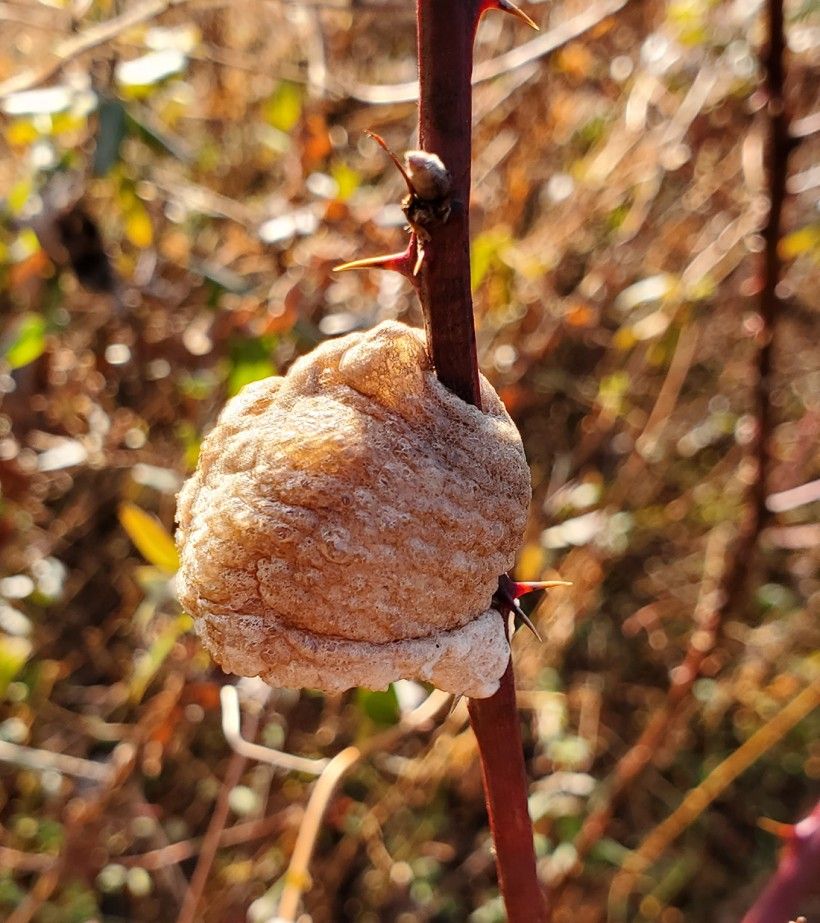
x=795 y=875
x=445 y=50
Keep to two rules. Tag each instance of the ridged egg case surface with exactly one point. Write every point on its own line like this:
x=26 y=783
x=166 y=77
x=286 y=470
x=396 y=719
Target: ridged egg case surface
x=354 y=501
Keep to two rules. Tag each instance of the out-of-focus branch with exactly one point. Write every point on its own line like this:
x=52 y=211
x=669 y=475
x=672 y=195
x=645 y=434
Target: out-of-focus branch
x=44 y=760
x=86 y=810
x=231 y=728
x=779 y=145
x=698 y=799
x=172 y=854
x=727 y=589
x=709 y=612
x=297 y=877
x=91 y=38
x=544 y=44
x=216 y=826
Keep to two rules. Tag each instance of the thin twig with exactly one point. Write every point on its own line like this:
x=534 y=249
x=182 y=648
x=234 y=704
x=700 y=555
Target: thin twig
x=211 y=841
x=44 y=760
x=697 y=800
x=174 y=853
x=632 y=764
x=279 y=758
x=805 y=127
x=41 y=891
x=91 y=38
x=778 y=148
x=86 y=811
x=18 y=861
x=794 y=497
x=646 y=443
x=297 y=877
x=35 y=18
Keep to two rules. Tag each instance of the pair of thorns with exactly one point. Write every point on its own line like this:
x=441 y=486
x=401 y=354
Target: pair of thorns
x=429 y=186
x=427 y=203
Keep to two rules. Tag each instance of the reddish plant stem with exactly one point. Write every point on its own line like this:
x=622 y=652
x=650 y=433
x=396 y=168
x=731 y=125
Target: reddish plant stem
x=495 y=725
x=445 y=48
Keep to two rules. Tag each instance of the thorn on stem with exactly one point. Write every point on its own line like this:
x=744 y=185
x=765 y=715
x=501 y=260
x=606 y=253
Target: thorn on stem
x=776 y=828
x=522 y=587
x=521 y=617
x=419 y=259
x=406 y=262
x=507 y=6
x=399 y=165
x=510 y=591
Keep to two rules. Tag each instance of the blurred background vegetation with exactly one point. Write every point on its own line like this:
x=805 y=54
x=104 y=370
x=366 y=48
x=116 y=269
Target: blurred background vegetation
x=176 y=188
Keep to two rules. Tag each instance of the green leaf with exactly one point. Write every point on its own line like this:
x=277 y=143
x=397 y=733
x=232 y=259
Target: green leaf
x=150 y=537
x=484 y=254
x=110 y=133
x=149 y=662
x=380 y=707
x=29 y=342
x=250 y=361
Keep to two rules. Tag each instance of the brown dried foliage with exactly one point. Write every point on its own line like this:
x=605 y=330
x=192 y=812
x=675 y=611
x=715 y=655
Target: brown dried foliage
x=618 y=203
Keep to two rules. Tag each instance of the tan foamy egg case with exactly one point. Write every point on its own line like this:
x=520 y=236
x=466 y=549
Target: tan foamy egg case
x=347 y=523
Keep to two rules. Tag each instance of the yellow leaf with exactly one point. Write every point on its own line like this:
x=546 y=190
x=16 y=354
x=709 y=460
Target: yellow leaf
x=19 y=195
x=530 y=563
x=624 y=337
x=14 y=652
x=150 y=537
x=803 y=240
x=284 y=109
x=21 y=133
x=138 y=226
x=64 y=122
